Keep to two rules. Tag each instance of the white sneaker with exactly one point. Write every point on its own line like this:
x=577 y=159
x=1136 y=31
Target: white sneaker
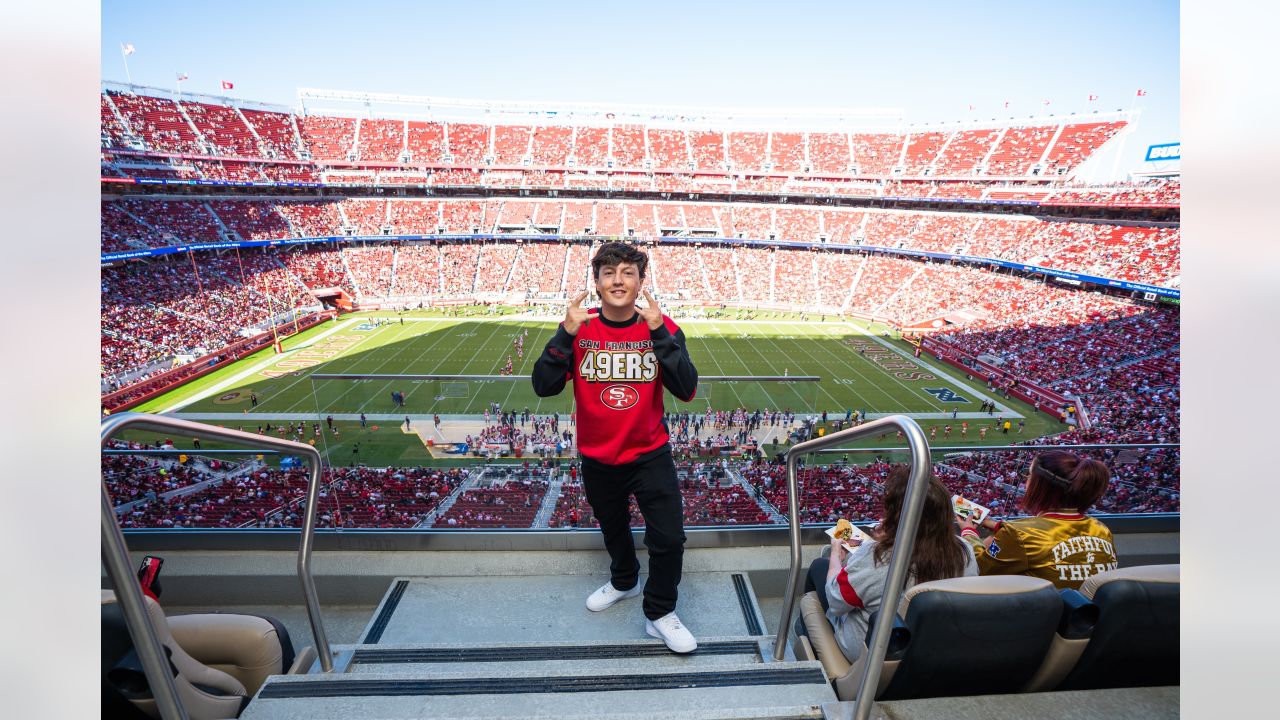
x=673 y=633
x=607 y=595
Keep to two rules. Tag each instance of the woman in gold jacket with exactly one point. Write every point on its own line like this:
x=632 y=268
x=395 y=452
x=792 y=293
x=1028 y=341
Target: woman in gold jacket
x=1058 y=542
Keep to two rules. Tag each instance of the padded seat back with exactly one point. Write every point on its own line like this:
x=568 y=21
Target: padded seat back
x=964 y=636
x=205 y=692
x=1135 y=641
x=974 y=636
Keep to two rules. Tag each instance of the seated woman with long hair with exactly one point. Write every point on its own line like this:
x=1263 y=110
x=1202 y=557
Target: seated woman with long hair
x=1059 y=542
x=853 y=583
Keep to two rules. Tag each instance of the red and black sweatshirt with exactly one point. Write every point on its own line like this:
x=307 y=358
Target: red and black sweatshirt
x=616 y=369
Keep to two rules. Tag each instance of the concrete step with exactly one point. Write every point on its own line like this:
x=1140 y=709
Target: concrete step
x=548 y=658
x=550 y=609
x=774 y=690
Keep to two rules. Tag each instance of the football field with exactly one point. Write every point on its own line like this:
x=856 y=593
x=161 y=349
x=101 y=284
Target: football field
x=856 y=371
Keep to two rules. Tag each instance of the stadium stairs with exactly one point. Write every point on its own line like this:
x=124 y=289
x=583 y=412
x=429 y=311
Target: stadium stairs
x=548 y=508
x=493 y=624
x=472 y=478
x=526 y=646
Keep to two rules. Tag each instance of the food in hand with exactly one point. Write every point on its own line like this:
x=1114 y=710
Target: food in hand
x=844 y=529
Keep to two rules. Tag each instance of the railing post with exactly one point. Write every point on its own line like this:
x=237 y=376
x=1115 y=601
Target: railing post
x=128 y=593
x=115 y=552
x=898 y=565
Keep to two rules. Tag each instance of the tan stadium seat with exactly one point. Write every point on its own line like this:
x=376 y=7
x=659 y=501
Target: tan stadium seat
x=962 y=636
x=219 y=661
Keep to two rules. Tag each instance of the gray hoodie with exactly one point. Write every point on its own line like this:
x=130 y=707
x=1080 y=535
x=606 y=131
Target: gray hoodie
x=856 y=591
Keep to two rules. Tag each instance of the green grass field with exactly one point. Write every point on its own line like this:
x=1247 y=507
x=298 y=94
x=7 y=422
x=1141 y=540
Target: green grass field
x=875 y=380
x=859 y=369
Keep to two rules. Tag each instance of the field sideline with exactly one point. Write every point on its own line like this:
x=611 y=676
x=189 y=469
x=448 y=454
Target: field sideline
x=847 y=356
x=858 y=371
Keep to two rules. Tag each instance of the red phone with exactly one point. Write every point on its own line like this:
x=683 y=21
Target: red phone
x=149 y=576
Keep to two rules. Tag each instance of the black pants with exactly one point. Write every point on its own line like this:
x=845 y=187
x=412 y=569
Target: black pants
x=657 y=492
x=816 y=580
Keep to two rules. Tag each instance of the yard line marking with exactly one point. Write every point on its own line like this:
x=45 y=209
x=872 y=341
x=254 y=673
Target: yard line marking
x=405 y=368
x=411 y=365
x=943 y=374
x=506 y=401
x=483 y=346
x=900 y=383
x=821 y=338
x=910 y=391
x=773 y=368
x=719 y=367
x=380 y=335
x=305 y=375
x=531 y=359
x=525 y=367
x=409 y=343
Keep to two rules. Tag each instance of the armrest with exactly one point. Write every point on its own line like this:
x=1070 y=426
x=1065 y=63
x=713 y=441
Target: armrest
x=247 y=647
x=899 y=636
x=822 y=637
x=1079 y=615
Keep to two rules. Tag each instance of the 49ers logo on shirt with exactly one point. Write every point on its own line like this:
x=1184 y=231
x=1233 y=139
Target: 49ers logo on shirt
x=619 y=397
x=606 y=366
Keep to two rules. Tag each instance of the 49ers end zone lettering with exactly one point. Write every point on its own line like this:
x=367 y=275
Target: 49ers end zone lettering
x=619 y=397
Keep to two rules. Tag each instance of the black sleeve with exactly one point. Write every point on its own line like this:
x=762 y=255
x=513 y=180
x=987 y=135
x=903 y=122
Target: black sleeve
x=555 y=365
x=678 y=373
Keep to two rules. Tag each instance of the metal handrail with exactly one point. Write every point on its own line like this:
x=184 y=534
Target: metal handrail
x=1007 y=448
x=903 y=545
x=115 y=552
x=436 y=376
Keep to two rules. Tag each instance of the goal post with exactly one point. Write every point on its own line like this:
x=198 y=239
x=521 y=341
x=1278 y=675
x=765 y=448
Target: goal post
x=798 y=393
x=418 y=394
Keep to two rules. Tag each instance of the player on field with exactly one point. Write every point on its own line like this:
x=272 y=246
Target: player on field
x=619 y=358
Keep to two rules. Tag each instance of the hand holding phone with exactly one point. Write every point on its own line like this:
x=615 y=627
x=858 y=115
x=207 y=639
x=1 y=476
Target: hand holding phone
x=149 y=576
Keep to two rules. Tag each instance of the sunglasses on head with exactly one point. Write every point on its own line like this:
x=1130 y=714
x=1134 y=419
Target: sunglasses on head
x=1047 y=474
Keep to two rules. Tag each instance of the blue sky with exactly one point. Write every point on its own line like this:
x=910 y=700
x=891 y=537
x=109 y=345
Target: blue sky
x=929 y=59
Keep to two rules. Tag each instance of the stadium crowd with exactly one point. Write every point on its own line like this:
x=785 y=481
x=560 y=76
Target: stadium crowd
x=1143 y=482
x=508 y=505
x=142 y=134
x=1140 y=254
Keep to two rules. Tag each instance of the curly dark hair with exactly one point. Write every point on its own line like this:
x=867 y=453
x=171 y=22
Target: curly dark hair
x=615 y=253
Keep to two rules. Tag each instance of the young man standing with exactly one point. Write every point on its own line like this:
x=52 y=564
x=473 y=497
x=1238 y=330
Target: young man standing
x=619 y=359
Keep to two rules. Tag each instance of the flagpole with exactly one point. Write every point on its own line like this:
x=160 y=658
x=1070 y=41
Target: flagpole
x=1124 y=137
x=125 y=57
